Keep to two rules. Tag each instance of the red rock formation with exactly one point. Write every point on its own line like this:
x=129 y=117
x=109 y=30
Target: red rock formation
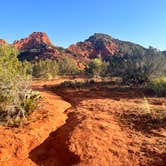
x=38 y=46
x=97 y=46
x=2 y=41
x=32 y=41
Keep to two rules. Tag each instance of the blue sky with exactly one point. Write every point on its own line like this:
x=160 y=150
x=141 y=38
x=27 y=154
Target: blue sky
x=70 y=21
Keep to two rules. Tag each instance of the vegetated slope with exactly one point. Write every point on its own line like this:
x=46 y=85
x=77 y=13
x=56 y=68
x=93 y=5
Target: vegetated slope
x=103 y=46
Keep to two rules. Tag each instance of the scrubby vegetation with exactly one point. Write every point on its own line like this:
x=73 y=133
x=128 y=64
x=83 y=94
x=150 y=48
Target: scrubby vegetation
x=16 y=98
x=138 y=68
x=145 y=68
x=97 y=68
x=158 y=86
x=67 y=66
x=47 y=69
x=76 y=84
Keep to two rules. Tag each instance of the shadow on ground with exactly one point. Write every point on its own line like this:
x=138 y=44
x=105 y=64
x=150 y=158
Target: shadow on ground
x=54 y=150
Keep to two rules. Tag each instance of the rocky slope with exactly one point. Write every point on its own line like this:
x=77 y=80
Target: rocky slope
x=103 y=46
x=38 y=46
x=35 y=40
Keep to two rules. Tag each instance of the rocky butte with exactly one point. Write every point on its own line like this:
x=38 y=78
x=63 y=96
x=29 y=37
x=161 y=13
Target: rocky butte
x=38 y=46
x=34 y=40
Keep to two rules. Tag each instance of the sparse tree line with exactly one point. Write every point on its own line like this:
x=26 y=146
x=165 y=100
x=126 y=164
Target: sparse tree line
x=49 y=69
x=17 y=100
x=135 y=65
x=145 y=68
x=134 y=69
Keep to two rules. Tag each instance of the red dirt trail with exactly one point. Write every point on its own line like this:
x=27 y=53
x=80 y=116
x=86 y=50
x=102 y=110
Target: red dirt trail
x=88 y=127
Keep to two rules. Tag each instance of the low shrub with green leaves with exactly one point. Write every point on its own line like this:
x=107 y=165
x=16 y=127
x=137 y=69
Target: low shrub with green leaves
x=67 y=66
x=158 y=86
x=97 y=68
x=49 y=69
x=76 y=84
x=138 y=68
x=46 y=69
x=16 y=98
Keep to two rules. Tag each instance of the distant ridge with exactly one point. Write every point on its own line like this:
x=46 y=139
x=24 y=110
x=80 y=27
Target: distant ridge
x=38 y=46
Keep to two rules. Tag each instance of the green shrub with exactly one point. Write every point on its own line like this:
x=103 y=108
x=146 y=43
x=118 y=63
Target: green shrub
x=76 y=84
x=47 y=69
x=138 y=68
x=67 y=66
x=30 y=101
x=14 y=87
x=97 y=68
x=158 y=86
x=26 y=68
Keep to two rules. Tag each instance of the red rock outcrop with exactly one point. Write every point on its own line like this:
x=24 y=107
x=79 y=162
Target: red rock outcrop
x=32 y=41
x=38 y=46
x=2 y=41
x=97 y=46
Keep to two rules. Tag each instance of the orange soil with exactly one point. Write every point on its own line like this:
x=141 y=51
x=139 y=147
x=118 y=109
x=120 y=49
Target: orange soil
x=16 y=143
x=104 y=126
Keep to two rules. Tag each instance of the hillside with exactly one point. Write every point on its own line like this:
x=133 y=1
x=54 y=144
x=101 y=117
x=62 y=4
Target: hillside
x=38 y=46
x=103 y=46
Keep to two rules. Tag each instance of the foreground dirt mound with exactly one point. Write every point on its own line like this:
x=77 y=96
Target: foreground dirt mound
x=101 y=131
x=95 y=138
x=116 y=126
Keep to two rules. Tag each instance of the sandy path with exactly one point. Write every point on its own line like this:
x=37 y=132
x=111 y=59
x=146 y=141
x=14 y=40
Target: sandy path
x=16 y=143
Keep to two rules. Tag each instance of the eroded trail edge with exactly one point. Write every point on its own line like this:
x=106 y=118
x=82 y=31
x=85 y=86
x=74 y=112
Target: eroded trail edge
x=17 y=143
